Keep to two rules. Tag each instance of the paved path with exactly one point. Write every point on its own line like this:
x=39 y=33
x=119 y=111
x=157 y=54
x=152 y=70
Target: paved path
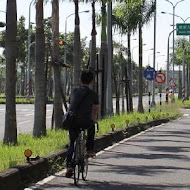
x=157 y=159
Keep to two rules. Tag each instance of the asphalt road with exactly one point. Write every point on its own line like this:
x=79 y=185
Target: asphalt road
x=25 y=115
x=157 y=159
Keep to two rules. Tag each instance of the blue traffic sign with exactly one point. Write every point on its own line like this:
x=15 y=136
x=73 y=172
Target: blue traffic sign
x=150 y=73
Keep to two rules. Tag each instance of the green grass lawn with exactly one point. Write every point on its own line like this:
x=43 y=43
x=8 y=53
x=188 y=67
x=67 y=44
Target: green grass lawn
x=56 y=140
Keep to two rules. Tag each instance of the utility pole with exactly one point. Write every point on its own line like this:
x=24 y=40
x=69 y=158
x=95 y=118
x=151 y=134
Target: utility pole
x=154 y=56
x=28 y=64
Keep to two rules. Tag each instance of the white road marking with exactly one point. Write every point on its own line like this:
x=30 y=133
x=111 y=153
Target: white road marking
x=24 y=122
x=46 y=180
x=186 y=114
x=29 y=114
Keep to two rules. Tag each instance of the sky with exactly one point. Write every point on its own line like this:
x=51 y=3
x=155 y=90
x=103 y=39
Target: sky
x=164 y=27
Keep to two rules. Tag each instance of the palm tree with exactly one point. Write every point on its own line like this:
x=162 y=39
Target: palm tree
x=132 y=15
x=103 y=62
x=77 y=46
x=93 y=39
x=145 y=11
x=124 y=18
x=40 y=87
x=58 y=111
x=10 y=135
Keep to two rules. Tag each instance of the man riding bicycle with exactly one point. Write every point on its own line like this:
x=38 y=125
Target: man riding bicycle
x=86 y=115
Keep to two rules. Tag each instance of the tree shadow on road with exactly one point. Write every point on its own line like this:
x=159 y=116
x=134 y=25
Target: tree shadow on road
x=139 y=170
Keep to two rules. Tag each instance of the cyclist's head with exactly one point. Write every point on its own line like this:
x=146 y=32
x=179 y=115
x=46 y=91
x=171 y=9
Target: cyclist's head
x=87 y=76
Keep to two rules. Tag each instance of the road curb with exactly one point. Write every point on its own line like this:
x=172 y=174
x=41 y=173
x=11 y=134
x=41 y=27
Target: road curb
x=22 y=175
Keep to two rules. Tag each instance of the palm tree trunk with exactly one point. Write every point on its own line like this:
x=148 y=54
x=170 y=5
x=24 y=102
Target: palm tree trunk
x=109 y=101
x=127 y=88
x=103 y=63
x=10 y=135
x=40 y=87
x=140 y=89
x=130 y=74
x=22 y=80
x=58 y=111
x=117 y=89
x=93 y=39
x=93 y=44
x=187 y=82
x=180 y=84
x=77 y=46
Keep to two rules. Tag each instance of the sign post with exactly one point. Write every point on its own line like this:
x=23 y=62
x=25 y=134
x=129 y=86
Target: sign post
x=160 y=79
x=149 y=74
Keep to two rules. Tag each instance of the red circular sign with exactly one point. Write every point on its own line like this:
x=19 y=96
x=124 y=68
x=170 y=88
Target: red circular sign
x=160 y=78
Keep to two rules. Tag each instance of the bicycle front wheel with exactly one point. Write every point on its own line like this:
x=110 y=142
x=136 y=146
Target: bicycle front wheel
x=77 y=169
x=85 y=169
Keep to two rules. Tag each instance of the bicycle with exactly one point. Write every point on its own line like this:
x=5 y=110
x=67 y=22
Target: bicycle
x=80 y=158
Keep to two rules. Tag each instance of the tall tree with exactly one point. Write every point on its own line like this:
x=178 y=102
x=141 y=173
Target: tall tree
x=145 y=11
x=58 y=111
x=125 y=18
x=40 y=87
x=103 y=61
x=109 y=102
x=128 y=17
x=77 y=46
x=10 y=135
x=93 y=39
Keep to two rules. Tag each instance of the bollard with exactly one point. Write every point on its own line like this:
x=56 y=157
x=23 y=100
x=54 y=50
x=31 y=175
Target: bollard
x=127 y=123
x=112 y=127
x=138 y=120
x=167 y=91
x=28 y=154
x=160 y=102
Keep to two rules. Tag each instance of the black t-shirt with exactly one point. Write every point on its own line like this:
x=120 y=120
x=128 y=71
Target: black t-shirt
x=85 y=98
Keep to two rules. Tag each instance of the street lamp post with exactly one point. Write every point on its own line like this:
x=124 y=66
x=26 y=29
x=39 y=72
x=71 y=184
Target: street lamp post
x=65 y=49
x=184 y=20
x=134 y=48
x=168 y=57
x=154 y=54
x=157 y=57
x=29 y=45
x=149 y=57
x=174 y=6
x=65 y=45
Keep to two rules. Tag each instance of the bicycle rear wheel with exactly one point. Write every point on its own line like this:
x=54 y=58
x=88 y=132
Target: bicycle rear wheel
x=85 y=169
x=77 y=165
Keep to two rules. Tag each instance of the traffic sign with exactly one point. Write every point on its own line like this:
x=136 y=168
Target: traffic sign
x=149 y=73
x=172 y=83
x=183 y=29
x=160 y=78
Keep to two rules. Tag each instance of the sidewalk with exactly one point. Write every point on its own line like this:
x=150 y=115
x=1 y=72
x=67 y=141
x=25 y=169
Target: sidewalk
x=157 y=159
